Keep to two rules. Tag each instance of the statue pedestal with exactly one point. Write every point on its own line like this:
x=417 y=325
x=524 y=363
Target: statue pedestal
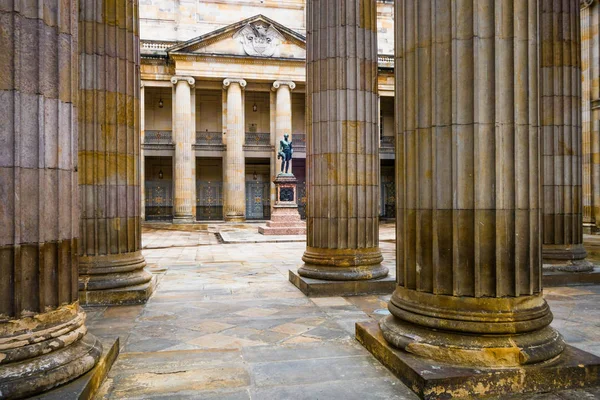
x=285 y=219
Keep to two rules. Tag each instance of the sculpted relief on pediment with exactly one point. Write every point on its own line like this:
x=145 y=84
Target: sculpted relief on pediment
x=259 y=39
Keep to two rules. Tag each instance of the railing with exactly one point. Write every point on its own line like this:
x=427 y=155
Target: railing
x=209 y=138
x=158 y=137
x=299 y=140
x=385 y=60
x=388 y=141
x=153 y=46
x=258 y=139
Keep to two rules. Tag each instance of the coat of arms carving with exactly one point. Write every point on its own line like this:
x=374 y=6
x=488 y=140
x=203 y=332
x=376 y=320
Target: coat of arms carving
x=259 y=39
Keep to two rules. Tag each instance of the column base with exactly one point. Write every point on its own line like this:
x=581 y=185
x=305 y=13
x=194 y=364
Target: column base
x=435 y=380
x=187 y=219
x=87 y=385
x=565 y=258
x=321 y=288
x=485 y=351
x=46 y=350
x=590 y=228
x=343 y=264
x=229 y=218
x=114 y=280
x=130 y=295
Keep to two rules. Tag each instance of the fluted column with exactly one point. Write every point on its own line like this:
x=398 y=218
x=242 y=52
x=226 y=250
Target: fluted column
x=234 y=194
x=43 y=337
x=142 y=157
x=561 y=137
x=283 y=116
x=342 y=142
x=184 y=137
x=468 y=201
x=590 y=63
x=111 y=265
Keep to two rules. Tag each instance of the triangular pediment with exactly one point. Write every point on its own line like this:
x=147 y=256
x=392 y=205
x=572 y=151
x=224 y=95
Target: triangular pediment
x=258 y=36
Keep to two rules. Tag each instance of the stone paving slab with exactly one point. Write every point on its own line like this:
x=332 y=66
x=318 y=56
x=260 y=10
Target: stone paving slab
x=230 y=307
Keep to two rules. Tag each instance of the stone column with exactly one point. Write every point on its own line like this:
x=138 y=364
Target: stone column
x=111 y=265
x=342 y=142
x=142 y=157
x=590 y=63
x=283 y=115
x=467 y=155
x=561 y=137
x=234 y=193
x=184 y=137
x=43 y=338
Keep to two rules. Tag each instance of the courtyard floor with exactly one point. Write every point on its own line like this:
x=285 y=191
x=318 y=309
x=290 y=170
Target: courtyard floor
x=225 y=323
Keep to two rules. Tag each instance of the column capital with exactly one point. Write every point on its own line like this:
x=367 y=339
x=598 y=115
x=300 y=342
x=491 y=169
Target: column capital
x=277 y=85
x=229 y=81
x=586 y=3
x=191 y=81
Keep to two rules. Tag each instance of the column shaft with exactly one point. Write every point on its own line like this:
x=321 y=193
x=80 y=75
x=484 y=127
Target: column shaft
x=468 y=176
x=590 y=63
x=142 y=157
x=183 y=137
x=283 y=115
x=342 y=142
x=43 y=338
x=234 y=194
x=111 y=264
x=562 y=137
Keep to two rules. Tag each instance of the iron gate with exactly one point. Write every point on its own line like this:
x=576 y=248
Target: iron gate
x=301 y=199
x=159 y=200
x=209 y=200
x=258 y=203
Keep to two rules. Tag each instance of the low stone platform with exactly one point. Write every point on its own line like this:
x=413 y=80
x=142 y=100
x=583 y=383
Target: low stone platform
x=321 y=288
x=561 y=278
x=245 y=236
x=138 y=294
x=433 y=380
x=86 y=386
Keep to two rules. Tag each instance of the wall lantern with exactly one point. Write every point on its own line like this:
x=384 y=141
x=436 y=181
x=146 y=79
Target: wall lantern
x=255 y=177
x=160 y=103
x=160 y=174
x=255 y=107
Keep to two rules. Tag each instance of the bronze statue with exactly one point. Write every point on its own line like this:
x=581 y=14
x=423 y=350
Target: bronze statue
x=285 y=152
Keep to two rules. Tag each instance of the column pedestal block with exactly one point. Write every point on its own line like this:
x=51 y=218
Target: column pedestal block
x=326 y=288
x=430 y=379
x=285 y=219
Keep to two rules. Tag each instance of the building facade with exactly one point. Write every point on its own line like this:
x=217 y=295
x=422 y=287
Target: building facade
x=239 y=68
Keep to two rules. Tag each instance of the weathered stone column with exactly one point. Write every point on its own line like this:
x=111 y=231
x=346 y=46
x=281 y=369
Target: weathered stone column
x=467 y=155
x=590 y=63
x=283 y=115
x=142 y=157
x=43 y=337
x=111 y=265
x=234 y=193
x=561 y=137
x=342 y=142
x=184 y=137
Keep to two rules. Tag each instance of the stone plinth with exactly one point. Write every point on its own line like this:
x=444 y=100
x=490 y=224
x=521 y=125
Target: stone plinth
x=429 y=379
x=285 y=219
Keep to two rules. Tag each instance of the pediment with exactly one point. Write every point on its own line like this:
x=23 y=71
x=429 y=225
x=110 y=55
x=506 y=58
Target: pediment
x=258 y=36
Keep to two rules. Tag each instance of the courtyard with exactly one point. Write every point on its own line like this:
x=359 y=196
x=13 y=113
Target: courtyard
x=225 y=323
